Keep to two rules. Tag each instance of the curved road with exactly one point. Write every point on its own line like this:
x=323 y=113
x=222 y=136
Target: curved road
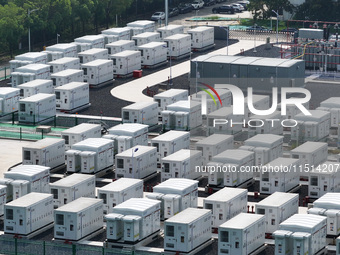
x=133 y=91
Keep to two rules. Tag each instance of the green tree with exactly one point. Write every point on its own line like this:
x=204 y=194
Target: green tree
x=325 y=10
x=265 y=8
x=11 y=25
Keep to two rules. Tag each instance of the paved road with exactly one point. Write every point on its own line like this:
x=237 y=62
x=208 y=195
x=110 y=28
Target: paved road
x=137 y=86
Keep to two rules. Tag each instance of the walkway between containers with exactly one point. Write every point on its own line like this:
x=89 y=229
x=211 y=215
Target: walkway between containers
x=133 y=91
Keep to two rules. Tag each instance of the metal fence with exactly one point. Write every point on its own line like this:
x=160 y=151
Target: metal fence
x=5 y=73
x=260 y=35
x=14 y=246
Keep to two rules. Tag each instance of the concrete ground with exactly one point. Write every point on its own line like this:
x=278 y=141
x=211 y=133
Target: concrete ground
x=10 y=154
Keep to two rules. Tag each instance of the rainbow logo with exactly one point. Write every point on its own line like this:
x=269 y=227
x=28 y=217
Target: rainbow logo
x=209 y=93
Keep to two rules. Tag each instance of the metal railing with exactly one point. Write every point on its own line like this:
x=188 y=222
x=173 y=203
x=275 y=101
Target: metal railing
x=5 y=73
x=260 y=35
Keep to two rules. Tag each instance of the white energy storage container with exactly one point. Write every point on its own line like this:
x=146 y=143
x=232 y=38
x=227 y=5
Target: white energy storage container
x=146 y=25
x=71 y=188
x=314 y=225
x=201 y=37
x=267 y=147
x=242 y=234
x=96 y=154
x=333 y=106
x=170 y=142
x=126 y=62
x=29 y=213
x=188 y=114
x=281 y=174
x=35 y=71
x=291 y=109
x=37 y=108
x=187 y=230
x=123 y=33
x=67 y=76
x=333 y=219
x=137 y=132
x=53 y=55
x=62 y=64
x=109 y=38
x=182 y=164
x=9 y=100
x=213 y=145
x=68 y=49
x=37 y=176
x=330 y=200
x=145 y=38
x=92 y=54
x=28 y=57
x=323 y=179
x=220 y=121
x=120 y=191
x=119 y=46
x=276 y=208
x=138 y=162
x=170 y=30
x=73 y=161
x=97 y=41
x=46 y=152
x=210 y=104
x=185 y=188
x=82 y=46
x=233 y=160
x=169 y=97
x=79 y=133
x=178 y=45
x=226 y=204
x=311 y=127
x=72 y=95
x=132 y=228
x=34 y=87
x=153 y=53
x=259 y=124
x=98 y=71
x=9 y=191
x=78 y=219
x=311 y=154
x=141 y=112
x=3 y=198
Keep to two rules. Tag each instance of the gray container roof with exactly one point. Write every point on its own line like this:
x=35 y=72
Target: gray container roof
x=169 y=136
x=309 y=147
x=43 y=143
x=242 y=221
x=79 y=205
x=214 y=139
x=188 y=216
x=226 y=194
x=181 y=155
x=120 y=184
x=72 y=180
x=29 y=199
x=277 y=199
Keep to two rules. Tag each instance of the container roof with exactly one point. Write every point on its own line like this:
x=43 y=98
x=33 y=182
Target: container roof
x=226 y=194
x=43 y=143
x=326 y=168
x=316 y=114
x=234 y=154
x=188 y=215
x=80 y=128
x=329 y=198
x=264 y=138
x=170 y=135
x=138 y=105
x=72 y=180
x=242 y=220
x=33 y=67
x=140 y=22
x=200 y=28
x=141 y=150
x=309 y=147
x=66 y=72
x=145 y=35
x=137 y=204
x=331 y=100
x=120 y=43
x=34 y=83
x=223 y=111
x=281 y=162
x=170 y=93
x=129 y=127
x=37 y=97
x=61 y=46
x=79 y=204
x=30 y=199
x=214 y=139
x=63 y=60
x=184 y=104
x=177 y=183
x=304 y=221
x=28 y=170
x=176 y=37
x=5 y=90
x=72 y=85
x=170 y=27
x=181 y=155
x=277 y=199
x=121 y=184
x=32 y=55
x=116 y=30
x=94 y=142
x=90 y=38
